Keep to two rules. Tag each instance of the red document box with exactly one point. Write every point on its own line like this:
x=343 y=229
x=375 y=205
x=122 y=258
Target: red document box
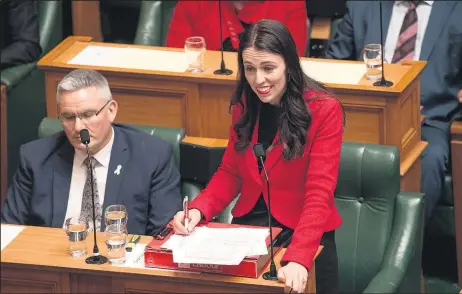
x=251 y=266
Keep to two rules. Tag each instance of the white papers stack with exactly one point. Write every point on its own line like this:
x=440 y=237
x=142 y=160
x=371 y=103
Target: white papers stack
x=224 y=246
x=132 y=58
x=334 y=72
x=9 y=233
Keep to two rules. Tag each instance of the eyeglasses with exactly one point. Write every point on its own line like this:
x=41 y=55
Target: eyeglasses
x=85 y=117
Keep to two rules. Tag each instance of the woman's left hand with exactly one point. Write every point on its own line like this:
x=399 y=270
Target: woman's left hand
x=295 y=276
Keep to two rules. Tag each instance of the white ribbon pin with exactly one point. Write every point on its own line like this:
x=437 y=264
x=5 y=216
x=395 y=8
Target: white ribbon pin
x=117 y=171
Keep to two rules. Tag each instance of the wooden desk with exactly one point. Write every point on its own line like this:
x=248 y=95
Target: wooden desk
x=320 y=28
x=199 y=103
x=38 y=261
x=456 y=155
x=86 y=19
x=3 y=146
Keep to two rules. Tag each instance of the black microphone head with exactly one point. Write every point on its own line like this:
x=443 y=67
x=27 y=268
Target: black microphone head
x=85 y=136
x=258 y=150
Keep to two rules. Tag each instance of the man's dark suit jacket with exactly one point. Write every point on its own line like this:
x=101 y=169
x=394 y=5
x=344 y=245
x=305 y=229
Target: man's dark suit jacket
x=361 y=26
x=19 y=35
x=148 y=184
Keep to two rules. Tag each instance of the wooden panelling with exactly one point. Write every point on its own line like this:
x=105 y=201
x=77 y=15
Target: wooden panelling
x=456 y=157
x=3 y=146
x=410 y=118
x=140 y=106
x=86 y=19
x=158 y=285
x=88 y=283
x=364 y=125
x=214 y=110
x=22 y=280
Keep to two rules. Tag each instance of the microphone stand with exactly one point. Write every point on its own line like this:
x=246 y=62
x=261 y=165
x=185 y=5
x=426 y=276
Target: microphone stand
x=96 y=258
x=223 y=70
x=272 y=273
x=382 y=82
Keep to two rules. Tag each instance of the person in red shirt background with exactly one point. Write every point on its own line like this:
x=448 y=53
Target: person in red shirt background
x=201 y=18
x=300 y=126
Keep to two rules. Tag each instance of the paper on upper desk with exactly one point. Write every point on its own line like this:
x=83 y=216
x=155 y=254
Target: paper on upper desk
x=224 y=246
x=334 y=72
x=132 y=58
x=8 y=234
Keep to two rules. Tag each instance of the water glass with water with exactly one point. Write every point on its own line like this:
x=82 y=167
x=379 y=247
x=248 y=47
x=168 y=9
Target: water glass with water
x=77 y=232
x=194 y=48
x=373 y=59
x=116 y=239
x=116 y=214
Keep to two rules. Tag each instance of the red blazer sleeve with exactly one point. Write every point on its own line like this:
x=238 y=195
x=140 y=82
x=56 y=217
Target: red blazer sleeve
x=181 y=24
x=225 y=183
x=296 y=23
x=321 y=181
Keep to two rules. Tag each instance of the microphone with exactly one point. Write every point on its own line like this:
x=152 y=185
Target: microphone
x=223 y=70
x=383 y=82
x=272 y=273
x=96 y=258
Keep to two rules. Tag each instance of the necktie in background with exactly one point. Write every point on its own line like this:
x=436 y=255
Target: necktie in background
x=87 y=206
x=405 y=47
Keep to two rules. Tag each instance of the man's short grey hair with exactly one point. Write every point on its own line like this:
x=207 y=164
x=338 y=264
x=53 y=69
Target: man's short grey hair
x=84 y=78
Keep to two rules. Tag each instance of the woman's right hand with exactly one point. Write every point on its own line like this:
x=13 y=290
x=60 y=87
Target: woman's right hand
x=178 y=221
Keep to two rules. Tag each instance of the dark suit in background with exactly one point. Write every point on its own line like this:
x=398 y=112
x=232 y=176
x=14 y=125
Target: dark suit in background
x=148 y=184
x=19 y=36
x=361 y=26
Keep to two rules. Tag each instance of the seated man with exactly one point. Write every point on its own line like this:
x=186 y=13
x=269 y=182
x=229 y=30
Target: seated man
x=19 y=36
x=202 y=18
x=415 y=30
x=131 y=168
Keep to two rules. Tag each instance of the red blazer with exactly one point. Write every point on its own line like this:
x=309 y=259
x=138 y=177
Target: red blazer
x=302 y=189
x=201 y=18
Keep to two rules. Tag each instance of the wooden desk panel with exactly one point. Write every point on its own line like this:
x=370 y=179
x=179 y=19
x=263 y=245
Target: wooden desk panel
x=456 y=155
x=38 y=261
x=86 y=19
x=199 y=102
x=3 y=146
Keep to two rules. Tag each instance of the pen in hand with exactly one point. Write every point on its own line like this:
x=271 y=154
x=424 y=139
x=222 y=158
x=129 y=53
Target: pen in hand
x=186 y=212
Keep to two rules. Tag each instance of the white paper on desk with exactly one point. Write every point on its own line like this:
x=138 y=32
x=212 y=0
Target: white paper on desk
x=224 y=246
x=334 y=72
x=132 y=58
x=135 y=259
x=9 y=233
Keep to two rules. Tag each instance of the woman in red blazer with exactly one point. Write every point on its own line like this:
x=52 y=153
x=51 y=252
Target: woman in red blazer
x=202 y=18
x=301 y=126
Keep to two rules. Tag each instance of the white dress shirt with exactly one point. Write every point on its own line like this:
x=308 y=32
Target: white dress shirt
x=397 y=17
x=79 y=176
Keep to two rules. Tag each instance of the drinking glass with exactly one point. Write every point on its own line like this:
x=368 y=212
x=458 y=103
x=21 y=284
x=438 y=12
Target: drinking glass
x=77 y=232
x=373 y=59
x=194 y=48
x=116 y=214
x=116 y=239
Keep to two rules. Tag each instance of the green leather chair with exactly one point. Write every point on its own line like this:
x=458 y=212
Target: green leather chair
x=379 y=244
x=26 y=86
x=174 y=136
x=380 y=241
x=153 y=23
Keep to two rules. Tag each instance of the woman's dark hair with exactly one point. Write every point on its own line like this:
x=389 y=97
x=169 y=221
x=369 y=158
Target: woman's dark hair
x=272 y=36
